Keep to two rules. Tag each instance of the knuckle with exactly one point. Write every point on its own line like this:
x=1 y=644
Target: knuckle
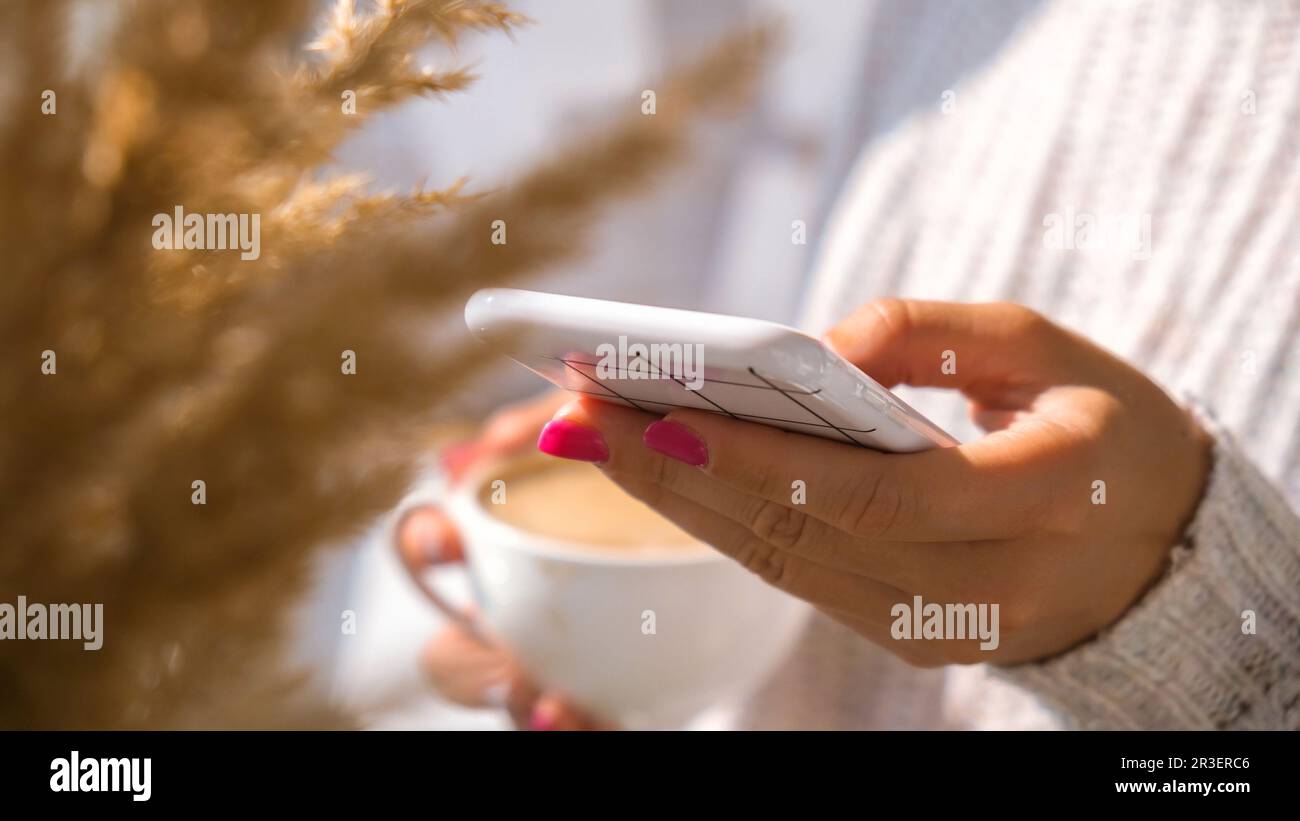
x=1020 y=320
x=893 y=316
x=766 y=562
x=893 y=311
x=875 y=506
x=778 y=525
x=769 y=481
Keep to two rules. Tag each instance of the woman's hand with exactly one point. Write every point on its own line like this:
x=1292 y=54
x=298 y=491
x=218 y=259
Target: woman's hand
x=1015 y=518
x=460 y=665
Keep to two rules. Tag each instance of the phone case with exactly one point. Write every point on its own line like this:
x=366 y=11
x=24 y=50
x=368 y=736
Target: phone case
x=658 y=359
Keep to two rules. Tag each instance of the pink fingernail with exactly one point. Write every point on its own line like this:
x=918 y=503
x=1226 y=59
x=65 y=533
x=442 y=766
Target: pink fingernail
x=540 y=720
x=570 y=440
x=677 y=441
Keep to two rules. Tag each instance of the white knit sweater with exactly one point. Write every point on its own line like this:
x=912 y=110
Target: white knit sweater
x=1184 y=117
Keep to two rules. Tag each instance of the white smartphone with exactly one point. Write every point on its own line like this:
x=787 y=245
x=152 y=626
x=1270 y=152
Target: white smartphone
x=660 y=359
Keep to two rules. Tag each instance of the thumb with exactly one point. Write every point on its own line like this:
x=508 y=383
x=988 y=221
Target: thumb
x=991 y=351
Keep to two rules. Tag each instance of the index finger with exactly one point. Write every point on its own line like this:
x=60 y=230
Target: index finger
x=989 y=489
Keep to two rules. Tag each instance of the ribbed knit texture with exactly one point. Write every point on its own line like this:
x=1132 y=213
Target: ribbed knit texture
x=1186 y=113
x=1184 y=657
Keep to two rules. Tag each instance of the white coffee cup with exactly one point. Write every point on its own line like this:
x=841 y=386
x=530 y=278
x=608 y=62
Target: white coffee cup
x=578 y=620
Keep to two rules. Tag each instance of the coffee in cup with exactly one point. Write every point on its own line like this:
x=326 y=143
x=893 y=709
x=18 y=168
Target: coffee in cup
x=574 y=502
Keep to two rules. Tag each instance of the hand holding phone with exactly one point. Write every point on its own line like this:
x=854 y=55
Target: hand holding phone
x=1063 y=515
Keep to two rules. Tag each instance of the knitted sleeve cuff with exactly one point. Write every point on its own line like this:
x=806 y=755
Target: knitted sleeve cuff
x=1215 y=644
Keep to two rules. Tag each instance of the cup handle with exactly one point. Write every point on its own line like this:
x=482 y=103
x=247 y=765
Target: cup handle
x=433 y=494
x=463 y=617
